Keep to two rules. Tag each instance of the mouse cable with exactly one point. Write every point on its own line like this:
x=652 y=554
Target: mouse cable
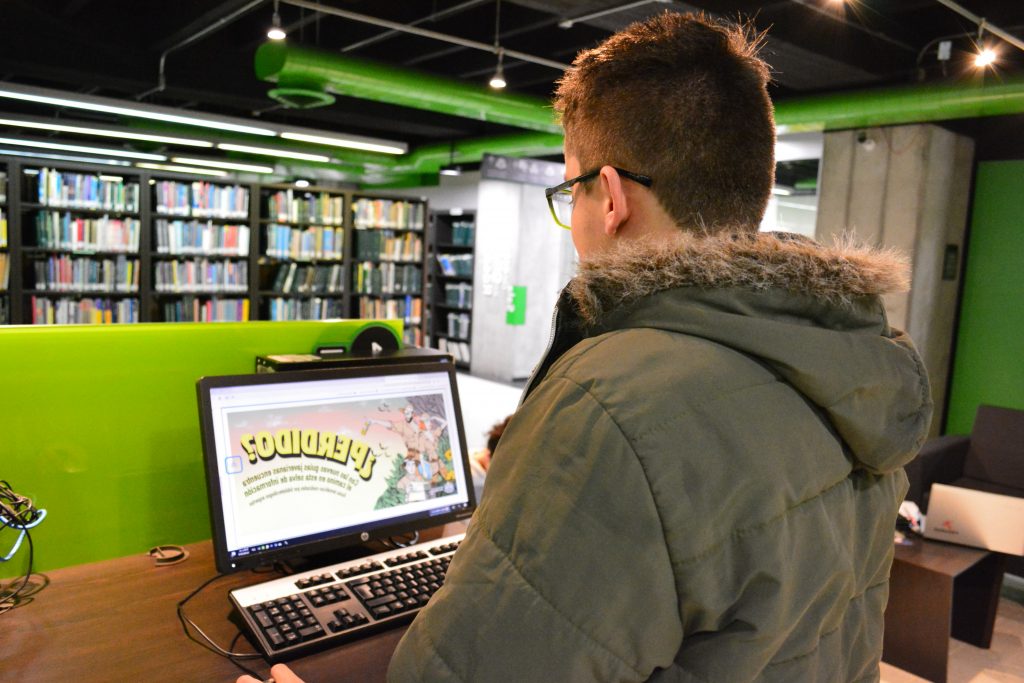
x=210 y=645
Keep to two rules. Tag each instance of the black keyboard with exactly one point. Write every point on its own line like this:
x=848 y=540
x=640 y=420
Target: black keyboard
x=309 y=611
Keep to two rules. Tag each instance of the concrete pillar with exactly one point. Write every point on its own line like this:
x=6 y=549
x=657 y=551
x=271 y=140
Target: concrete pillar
x=517 y=244
x=906 y=187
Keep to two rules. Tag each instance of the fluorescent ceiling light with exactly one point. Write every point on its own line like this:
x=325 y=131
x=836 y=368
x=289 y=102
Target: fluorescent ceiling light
x=106 y=132
x=112 y=106
x=252 y=168
x=61 y=157
x=182 y=169
x=301 y=183
x=80 y=148
x=783 y=191
x=270 y=152
x=344 y=142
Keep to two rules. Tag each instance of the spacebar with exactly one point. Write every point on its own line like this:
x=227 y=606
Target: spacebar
x=383 y=600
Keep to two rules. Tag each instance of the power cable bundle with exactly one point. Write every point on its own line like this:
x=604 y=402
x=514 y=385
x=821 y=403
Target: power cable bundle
x=17 y=512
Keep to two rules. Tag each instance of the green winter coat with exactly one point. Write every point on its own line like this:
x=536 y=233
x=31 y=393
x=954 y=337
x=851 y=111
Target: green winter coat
x=702 y=481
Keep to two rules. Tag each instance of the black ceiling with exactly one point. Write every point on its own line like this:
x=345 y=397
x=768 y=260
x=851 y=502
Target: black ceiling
x=112 y=48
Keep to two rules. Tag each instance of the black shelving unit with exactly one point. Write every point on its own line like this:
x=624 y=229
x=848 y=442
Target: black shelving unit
x=5 y=265
x=321 y=282
x=387 y=249
x=301 y=267
x=201 y=250
x=450 y=266
x=79 y=244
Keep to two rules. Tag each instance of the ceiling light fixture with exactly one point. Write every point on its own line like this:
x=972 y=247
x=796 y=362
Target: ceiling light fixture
x=231 y=165
x=271 y=152
x=107 y=105
x=276 y=32
x=105 y=151
x=498 y=79
x=451 y=168
x=105 y=132
x=301 y=183
x=345 y=142
x=182 y=169
x=985 y=57
x=62 y=157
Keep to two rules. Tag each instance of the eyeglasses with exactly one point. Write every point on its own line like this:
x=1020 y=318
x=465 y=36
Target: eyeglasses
x=560 y=197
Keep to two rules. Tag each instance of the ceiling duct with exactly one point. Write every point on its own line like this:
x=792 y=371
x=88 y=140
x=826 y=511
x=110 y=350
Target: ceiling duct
x=302 y=75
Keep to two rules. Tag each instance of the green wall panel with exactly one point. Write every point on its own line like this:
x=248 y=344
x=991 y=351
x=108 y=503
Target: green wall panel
x=989 y=362
x=100 y=427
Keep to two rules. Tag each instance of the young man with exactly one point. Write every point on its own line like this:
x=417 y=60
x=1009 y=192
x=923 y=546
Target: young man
x=701 y=483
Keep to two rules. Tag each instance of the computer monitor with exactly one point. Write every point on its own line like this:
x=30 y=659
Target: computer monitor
x=302 y=463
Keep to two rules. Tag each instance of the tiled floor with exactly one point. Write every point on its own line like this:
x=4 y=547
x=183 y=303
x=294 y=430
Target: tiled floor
x=1003 y=663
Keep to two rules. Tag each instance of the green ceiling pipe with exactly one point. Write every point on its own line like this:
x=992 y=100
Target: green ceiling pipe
x=886 y=107
x=303 y=75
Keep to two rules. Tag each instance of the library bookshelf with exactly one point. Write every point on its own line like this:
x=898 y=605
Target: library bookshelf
x=82 y=243
x=450 y=258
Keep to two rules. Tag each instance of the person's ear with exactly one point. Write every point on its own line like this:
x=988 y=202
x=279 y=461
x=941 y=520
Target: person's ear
x=615 y=204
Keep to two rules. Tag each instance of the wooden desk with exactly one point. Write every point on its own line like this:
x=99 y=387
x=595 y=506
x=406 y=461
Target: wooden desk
x=116 y=621
x=937 y=590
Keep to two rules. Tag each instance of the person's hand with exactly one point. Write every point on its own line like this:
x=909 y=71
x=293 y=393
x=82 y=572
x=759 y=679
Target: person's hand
x=279 y=672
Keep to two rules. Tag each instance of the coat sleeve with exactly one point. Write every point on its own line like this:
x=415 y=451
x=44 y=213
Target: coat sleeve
x=564 y=574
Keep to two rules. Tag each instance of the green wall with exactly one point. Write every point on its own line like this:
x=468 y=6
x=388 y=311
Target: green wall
x=100 y=427
x=989 y=362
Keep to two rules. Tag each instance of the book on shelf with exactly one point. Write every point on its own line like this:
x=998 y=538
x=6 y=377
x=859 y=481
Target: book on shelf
x=296 y=207
x=3 y=229
x=458 y=349
x=213 y=309
x=3 y=187
x=201 y=275
x=388 y=213
x=64 y=230
x=93 y=311
x=5 y=271
x=219 y=201
x=316 y=308
x=201 y=237
x=64 y=273
x=285 y=241
x=85 y=191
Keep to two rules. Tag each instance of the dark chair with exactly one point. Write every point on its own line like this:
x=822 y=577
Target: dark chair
x=990 y=459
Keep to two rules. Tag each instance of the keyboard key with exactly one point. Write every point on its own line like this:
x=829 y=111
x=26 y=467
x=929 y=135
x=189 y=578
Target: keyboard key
x=264 y=619
x=275 y=638
x=310 y=632
x=383 y=600
x=381 y=611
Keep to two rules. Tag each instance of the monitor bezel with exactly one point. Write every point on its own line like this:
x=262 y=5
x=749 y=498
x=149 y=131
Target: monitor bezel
x=227 y=564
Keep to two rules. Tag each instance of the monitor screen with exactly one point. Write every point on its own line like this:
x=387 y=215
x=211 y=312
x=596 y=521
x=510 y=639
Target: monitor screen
x=303 y=462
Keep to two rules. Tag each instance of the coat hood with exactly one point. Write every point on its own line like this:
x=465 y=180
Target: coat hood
x=812 y=314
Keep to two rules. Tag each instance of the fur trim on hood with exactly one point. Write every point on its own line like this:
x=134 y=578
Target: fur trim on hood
x=754 y=261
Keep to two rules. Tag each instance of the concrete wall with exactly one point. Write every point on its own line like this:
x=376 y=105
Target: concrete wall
x=905 y=187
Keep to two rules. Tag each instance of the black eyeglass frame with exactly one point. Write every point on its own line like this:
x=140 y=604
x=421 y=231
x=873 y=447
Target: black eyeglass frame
x=550 y=192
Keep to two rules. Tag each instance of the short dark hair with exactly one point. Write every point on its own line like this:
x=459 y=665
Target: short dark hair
x=683 y=99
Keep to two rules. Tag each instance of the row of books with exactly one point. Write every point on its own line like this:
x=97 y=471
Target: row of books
x=83 y=191
x=386 y=245
x=458 y=349
x=388 y=213
x=386 y=278
x=284 y=241
x=316 y=308
x=5 y=272
x=408 y=309
x=65 y=273
x=201 y=275
x=302 y=279
x=195 y=237
x=203 y=310
x=458 y=294
x=62 y=230
x=412 y=336
x=89 y=311
x=452 y=265
x=286 y=205
x=463 y=233
x=201 y=199
x=458 y=325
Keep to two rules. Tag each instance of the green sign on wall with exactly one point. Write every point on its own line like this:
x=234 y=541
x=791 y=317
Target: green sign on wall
x=516 y=313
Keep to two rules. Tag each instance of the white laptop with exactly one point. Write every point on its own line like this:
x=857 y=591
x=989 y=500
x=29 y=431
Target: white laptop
x=976 y=518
